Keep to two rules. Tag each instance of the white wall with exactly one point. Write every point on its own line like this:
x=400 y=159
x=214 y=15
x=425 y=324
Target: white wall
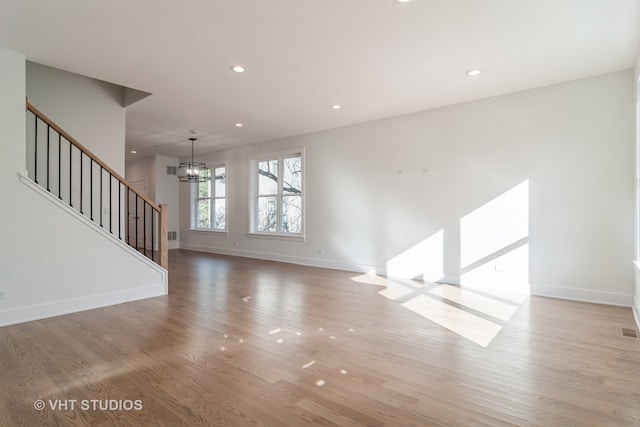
x=54 y=261
x=383 y=194
x=77 y=104
x=166 y=193
x=143 y=169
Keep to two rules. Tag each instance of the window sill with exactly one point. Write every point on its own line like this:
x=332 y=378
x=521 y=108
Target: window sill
x=210 y=231
x=278 y=236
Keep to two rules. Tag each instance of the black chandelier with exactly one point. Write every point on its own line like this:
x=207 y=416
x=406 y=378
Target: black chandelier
x=193 y=171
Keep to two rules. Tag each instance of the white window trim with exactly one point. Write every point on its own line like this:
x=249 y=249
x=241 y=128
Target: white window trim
x=253 y=196
x=194 y=198
x=210 y=231
x=298 y=237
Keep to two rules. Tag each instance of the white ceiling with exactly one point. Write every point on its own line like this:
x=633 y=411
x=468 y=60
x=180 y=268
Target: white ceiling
x=377 y=58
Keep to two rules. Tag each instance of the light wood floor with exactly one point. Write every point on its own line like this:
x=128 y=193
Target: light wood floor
x=248 y=342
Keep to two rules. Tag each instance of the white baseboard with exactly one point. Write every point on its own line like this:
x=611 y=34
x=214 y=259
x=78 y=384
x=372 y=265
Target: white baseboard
x=584 y=295
x=73 y=305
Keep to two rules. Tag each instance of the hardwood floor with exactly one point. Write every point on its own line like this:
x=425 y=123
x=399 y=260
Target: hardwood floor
x=250 y=342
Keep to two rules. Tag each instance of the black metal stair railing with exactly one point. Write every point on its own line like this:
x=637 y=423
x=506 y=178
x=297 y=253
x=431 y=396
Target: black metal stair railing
x=68 y=170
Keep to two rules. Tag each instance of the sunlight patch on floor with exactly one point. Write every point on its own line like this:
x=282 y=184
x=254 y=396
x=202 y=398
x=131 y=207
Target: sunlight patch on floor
x=469 y=304
x=467 y=325
x=394 y=288
x=396 y=291
x=486 y=305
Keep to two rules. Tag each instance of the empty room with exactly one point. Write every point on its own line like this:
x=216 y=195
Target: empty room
x=321 y=212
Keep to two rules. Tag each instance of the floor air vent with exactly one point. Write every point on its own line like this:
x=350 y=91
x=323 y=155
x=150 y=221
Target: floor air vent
x=627 y=332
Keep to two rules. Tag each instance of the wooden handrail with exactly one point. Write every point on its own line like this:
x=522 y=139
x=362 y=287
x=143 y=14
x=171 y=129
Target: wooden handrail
x=86 y=151
x=163 y=260
x=163 y=232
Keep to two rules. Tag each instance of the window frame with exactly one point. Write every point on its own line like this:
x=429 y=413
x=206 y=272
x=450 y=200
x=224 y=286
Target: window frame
x=254 y=195
x=195 y=199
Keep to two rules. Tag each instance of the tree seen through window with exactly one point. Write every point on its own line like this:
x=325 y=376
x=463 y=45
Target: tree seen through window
x=279 y=204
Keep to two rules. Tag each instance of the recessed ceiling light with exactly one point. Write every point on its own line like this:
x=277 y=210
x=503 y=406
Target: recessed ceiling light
x=237 y=69
x=133 y=152
x=474 y=72
x=336 y=106
x=403 y=1
x=239 y=125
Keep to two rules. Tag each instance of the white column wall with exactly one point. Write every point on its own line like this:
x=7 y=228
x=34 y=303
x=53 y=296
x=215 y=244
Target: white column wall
x=52 y=261
x=636 y=306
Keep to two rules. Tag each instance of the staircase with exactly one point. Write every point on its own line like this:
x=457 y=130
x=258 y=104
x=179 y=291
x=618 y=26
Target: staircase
x=78 y=178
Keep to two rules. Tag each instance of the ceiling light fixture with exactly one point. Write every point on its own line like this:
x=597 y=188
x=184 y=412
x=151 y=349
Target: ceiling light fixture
x=336 y=106
x=474 y=72
x=192 y=171
x=133 y=152
x=237 y=69
x=403 y=1
x=238 y=125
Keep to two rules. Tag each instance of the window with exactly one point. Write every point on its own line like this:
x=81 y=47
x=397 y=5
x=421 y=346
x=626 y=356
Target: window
x=210 y=201
x=278 y=195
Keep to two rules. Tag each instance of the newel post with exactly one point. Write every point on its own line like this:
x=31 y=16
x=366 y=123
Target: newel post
x=164 y=238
